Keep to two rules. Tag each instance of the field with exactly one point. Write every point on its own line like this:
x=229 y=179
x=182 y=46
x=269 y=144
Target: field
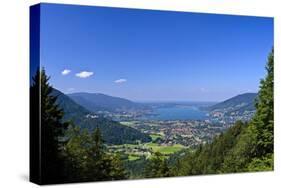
x=166 y=150
x=135 y=151
x=133 y=157
x=138 y=150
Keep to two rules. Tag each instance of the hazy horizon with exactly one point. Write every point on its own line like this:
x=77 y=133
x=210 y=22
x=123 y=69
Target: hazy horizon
x=147 y=55
x=158 y=101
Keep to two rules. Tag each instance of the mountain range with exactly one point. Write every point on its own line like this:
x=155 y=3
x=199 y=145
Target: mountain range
x=95 y=102
x=102 y=102
x=113 y=132
x=238 y=104
x=81 y=108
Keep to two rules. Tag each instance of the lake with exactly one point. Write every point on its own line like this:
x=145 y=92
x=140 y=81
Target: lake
x=178 y=113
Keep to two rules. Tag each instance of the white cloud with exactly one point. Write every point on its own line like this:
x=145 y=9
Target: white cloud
x=65 y=71
x=120 y=81
x=84 y=74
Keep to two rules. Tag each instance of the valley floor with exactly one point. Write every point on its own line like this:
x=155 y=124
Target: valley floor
x=167 y=137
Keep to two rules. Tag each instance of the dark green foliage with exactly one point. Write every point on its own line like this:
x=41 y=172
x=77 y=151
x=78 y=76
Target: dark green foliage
x=52 y=130
x=241 y=153
x=208 y=159
x=256 y=144
x=88 y=160
x=263 y=120
x=157 y=166
x=69 y=154
x=261 y=164
x=113 y=132
x=136 y=168
x=70 y=108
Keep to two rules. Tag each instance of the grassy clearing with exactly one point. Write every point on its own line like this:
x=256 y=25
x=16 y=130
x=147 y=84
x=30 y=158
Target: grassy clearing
x=155 y=136
x=165 y=149
x=128 y=123
x=133 y=157
x=135 y=151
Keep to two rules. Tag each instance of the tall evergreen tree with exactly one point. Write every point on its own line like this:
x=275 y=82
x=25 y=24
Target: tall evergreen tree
x=254 y=150
x=263 y=119
x=51 y=129
x=88 y=160
x=76 y=154
x=69 y=155
x=103 y=166
x=157 y=167
x=97 y=148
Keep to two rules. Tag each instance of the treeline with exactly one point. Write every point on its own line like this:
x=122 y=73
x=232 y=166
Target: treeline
x=87 y=160
x=67 y=153
x=242 y=148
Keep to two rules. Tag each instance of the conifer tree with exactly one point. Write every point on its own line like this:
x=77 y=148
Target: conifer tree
x=263 y=119
x=51 y=129
x=88 y=160
x=103 y=166
x=157 y=167
x=69 y=155
x=98 y=143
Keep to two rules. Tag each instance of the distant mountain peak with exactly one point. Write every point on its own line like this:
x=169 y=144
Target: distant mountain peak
x=99 y=101
x=241 y=102
x=113 y=132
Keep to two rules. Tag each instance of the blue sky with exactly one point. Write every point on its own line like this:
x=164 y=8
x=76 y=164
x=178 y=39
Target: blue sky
x=146 y=55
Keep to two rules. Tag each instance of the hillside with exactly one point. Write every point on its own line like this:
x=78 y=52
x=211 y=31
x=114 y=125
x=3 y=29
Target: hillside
x=71 y=109
x=113 y=132
x=238 y=104
x=97 y=101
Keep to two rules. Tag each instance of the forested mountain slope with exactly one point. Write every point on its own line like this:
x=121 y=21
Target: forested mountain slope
x=240 y=104
x=97 y=101
x=113 y=132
